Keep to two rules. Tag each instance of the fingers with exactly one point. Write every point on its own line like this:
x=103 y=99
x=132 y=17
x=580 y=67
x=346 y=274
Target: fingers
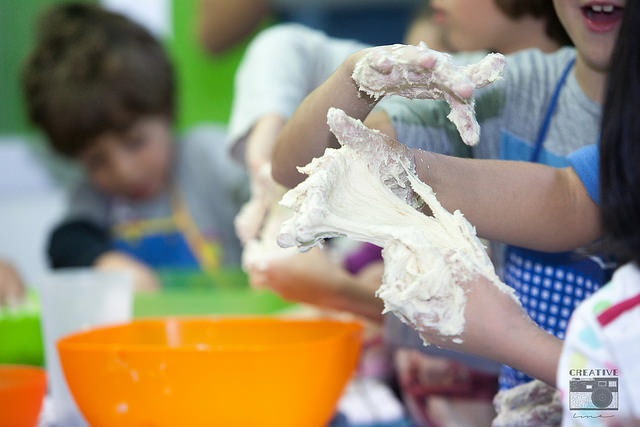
x=486 y=71
x=11 y=294
x=11 y=288
x=427 y=61
x=463 y=116
x=249 y=220
x=258 y=278
x=381 y=64
x=464 y=89
x=384 y=59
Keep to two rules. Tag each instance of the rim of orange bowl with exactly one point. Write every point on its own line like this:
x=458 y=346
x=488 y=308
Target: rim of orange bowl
x=19 y=366
x=67 y=342
x=36 y=374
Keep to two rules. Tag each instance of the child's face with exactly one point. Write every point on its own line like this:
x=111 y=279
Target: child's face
x=470 y=25
x=593 y=27
x=134 y=164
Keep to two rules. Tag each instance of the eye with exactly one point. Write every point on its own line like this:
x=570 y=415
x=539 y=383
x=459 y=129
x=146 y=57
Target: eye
x=95 y=161
x=135 y=140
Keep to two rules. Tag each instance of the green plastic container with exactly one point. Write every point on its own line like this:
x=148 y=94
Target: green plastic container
x=188 y=292
x=229 y=278
x=213 y=302
x=20 y=335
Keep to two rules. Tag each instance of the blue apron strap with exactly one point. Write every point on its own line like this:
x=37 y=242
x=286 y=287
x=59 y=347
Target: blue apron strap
x=542 y=133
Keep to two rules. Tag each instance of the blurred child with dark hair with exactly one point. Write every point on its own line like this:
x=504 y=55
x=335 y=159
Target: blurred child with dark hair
x=103 y=91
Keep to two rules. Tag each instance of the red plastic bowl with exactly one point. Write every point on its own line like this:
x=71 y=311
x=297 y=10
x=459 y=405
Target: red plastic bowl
x=22 y=389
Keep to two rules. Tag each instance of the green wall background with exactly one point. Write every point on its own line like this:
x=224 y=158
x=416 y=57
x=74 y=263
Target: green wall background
x=205 y=83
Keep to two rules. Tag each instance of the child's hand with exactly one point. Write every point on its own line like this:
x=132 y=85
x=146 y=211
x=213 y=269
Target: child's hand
x=11 y=287
x=497 y=328
x=489 y=316
x=531 y=404
x=403 y=70
x=421 y=73
x=144 y=279
x=265 y=193
x=303 y=277
x=313 y=278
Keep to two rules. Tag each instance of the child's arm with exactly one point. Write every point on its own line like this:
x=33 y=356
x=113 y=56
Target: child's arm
x=281 y=66
x=520 y=203
x=306 y=135
x=497 y=328
x=83 y=243
x=409 y=71
x=260 y=141
x=313 y=278
x=223 y=24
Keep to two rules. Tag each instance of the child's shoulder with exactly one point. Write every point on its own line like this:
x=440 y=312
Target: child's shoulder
x=532 y=70
x=625 y=283
x=535 y=58
x=203 y=143
x=203 y=154
x=618 y=297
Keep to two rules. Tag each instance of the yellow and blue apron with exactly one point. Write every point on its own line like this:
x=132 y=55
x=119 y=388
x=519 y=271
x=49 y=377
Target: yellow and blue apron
x=549 y=285
x=172 y=242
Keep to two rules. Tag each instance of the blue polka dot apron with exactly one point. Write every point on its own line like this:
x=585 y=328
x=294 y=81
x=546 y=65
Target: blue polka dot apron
x=549 y=285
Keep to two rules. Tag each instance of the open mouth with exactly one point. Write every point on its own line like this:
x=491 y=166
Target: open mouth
x=602 y=17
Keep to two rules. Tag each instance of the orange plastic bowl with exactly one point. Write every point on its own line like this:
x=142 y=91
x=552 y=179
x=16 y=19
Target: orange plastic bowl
x=22 y=390
x=211 y=372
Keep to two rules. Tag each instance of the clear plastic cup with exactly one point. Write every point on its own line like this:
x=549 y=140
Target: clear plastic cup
x=73 y=300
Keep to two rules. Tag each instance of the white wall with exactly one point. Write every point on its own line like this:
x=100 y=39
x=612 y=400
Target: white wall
x=31 y=202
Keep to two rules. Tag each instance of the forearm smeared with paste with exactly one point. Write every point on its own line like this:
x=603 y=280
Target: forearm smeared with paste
x=366 y=190
x=258 y=223
x=419 y=72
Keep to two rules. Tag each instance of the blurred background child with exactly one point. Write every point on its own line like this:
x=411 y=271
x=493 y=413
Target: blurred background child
x=102 y=89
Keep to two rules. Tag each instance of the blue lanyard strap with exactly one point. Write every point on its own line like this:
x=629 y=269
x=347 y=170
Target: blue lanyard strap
x=542 y=133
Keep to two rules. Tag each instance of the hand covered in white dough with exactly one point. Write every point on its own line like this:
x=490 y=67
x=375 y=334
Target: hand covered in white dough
x=421 y=73
x=367 y=191
x=531 y=404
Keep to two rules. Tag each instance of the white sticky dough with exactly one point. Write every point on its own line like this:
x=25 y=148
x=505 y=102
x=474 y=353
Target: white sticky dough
x=421 y=73
x=366 y=191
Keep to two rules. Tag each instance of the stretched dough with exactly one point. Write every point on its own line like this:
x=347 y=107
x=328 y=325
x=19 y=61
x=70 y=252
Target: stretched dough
x=368 y=191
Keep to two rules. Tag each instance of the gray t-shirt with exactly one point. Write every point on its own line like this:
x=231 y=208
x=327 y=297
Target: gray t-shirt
x=280 y=68
x=515 y=104
x=212 y=186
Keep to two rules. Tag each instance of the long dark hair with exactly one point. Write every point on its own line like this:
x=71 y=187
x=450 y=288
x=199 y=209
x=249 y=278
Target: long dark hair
x=620 y=143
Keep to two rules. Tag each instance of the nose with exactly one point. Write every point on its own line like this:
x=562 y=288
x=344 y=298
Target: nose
x=125 y=169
